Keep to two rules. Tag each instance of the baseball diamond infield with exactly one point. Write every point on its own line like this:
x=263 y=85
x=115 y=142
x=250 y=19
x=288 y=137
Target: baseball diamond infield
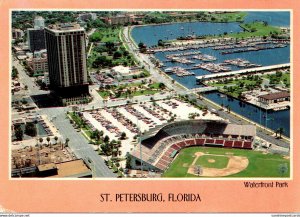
x=234 y=165
x=224 y=162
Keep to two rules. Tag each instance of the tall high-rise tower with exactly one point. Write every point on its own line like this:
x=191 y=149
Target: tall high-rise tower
x=36 y=36
x=67 y=59
x=39 y=22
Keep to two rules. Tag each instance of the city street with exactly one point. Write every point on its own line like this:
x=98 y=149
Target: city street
x=78 y=143
x=33 y=89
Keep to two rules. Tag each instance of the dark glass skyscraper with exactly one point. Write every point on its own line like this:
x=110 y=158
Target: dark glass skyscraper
x=67 y=59
x=36 y=39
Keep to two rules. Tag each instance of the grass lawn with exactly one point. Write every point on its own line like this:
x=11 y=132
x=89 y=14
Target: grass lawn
x=260 y=165
x=255 y=29
x=79 y=121
x=220 y=161
x=230 y=17
x=154 y=88
x=233 y=82
x=145 y=92
x=235 y=87
x=88 y=131
x=106 y=35
x=285 y=78
x=103 y=94
x=75 y=118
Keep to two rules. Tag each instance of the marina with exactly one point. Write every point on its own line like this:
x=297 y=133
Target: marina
x=234 y=57
x=241 y=63
x=179 y=71
x=204 y=57
x=256 y=48
x=221 y=44
x=213 y=67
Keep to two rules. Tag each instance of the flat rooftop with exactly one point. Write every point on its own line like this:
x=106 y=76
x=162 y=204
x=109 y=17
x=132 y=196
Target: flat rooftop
x=45 y=167
x=75 y=168
x=273 y=96
x=63 y=27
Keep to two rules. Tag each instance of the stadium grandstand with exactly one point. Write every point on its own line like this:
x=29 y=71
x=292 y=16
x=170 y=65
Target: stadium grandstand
x=159 y=146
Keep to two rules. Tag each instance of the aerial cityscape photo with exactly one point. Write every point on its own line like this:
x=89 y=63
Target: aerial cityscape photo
x=150 y=94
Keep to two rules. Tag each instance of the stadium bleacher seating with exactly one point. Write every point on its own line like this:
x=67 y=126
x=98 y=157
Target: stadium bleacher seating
x=200 y=141
x=238 y=144
x=228 y=144
x=153 y=140
x=172 y=138
x=247 y=145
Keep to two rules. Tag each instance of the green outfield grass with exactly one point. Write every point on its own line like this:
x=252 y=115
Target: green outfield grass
x=260 y=164
x=220 y=161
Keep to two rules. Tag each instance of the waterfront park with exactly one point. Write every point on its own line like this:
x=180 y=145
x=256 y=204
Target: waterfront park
x=183 y=94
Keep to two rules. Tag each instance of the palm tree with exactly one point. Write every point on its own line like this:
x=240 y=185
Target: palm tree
x=41 y=141
x=280 y=131
x=48 y=140
x=55 y=138
x=67 y=141
x=228 y=108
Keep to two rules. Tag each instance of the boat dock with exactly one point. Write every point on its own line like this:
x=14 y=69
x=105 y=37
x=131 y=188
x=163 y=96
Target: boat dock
x=179 y=71
x=246 y=45
x=253 y=48
x=241 y=63
x=204 y=57
x=202 y=78
x=212 y=67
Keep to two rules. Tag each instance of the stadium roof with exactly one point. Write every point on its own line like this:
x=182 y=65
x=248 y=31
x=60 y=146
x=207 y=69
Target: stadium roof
x=155 y=141
x=212 y=126
x=235 y=129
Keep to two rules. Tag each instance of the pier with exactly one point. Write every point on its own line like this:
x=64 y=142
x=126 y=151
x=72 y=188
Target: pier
x=199 y=90
x=240 y=72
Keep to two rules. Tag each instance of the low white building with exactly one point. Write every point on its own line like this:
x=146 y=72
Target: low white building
x=125 y=72
x=46 y=79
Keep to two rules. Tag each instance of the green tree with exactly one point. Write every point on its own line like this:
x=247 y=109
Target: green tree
x=102 y=61
x=161 y=85
x=30 y=129
x=160 y=43
x=67 y=142
x=123 y=136
x=128 y=162
x=280 y=131
x=48 y=140
x=55 y=138
x=41 y=142
x=14 y=73
x=106 y=139
x=19 y=133
x=117 y=54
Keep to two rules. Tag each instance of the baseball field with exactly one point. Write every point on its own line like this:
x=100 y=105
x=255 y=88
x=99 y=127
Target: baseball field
x=224 y=162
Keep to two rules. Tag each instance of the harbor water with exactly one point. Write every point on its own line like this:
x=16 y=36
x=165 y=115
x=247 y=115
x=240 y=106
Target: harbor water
x=151 y=34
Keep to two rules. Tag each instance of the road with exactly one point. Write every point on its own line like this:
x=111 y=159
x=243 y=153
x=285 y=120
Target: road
x=33 y=89
x=78 y=143
x=146 y=62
